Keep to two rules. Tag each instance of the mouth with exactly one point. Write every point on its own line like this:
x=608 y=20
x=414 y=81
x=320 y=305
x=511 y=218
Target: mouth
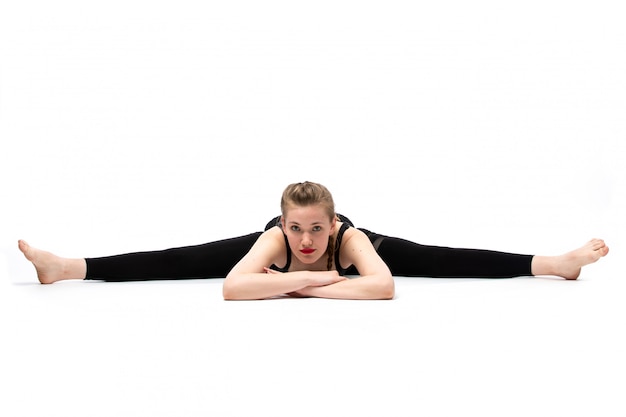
x=307 y=251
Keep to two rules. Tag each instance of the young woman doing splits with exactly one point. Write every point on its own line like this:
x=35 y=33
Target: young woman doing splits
x=307 y=252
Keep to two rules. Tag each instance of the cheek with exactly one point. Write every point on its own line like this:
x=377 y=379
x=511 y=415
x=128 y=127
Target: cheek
x=322 y=241
x=292 y=241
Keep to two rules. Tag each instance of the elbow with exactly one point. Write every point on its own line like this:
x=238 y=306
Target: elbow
x=228 y=294
x=237 y=288
x=386 y=288
x=229 y=290
x=232 y=295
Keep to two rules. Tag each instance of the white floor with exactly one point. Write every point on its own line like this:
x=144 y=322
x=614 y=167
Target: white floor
x=442 y=347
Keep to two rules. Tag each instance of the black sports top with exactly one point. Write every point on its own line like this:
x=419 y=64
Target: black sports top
x=346 y=224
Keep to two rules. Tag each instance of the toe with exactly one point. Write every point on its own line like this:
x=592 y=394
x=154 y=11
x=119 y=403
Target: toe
x=597 y=244
x=23 y=246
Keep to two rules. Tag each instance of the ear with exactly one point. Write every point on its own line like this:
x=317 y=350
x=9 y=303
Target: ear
x=333 y=224
x=282 y=223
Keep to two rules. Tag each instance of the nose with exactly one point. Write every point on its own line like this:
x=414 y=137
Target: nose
x=306 y=240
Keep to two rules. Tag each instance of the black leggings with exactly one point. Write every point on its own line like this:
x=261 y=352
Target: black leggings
x=216 y=259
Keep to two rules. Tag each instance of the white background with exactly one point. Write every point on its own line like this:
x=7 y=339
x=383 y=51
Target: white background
x=135 y=125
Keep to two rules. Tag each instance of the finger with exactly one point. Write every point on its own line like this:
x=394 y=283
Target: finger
x=295 y=294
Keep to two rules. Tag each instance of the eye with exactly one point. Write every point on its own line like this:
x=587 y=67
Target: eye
x=295 y=228
x=317 y=228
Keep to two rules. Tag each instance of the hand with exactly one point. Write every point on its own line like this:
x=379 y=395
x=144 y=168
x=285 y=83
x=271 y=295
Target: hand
x=317 y=278
x=300 y=293
x=323 y=278
x=296 y=294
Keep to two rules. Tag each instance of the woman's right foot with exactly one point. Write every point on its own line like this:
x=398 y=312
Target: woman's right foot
x=51 y=268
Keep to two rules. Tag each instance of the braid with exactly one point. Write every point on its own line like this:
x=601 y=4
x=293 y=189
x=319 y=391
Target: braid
x=330 y=251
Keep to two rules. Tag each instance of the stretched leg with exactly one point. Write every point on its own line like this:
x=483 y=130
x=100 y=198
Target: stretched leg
x=406 y=258
x=209 y=260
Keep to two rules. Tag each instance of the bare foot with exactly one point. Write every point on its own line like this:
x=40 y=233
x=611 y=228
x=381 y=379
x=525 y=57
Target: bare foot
x=569 y=265
x=51 y=268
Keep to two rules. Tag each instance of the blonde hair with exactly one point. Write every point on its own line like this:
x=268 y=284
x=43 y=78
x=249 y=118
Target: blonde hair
x=303 y=194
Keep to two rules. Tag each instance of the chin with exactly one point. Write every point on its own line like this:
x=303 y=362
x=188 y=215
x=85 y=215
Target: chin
x=308 y=260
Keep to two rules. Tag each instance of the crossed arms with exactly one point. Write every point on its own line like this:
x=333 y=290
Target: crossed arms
x=251 y=279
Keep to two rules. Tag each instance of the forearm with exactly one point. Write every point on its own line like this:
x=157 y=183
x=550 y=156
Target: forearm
x=258 y=286
x=362 y=288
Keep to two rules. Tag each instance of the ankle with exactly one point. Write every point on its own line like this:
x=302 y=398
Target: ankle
x=73 y=268
x=544 y=265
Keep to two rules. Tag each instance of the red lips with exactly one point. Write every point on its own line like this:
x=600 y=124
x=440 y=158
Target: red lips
x=307 y=251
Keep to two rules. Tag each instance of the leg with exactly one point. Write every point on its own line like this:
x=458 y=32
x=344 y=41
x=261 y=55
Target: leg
x=406 y=258
x=209 y=260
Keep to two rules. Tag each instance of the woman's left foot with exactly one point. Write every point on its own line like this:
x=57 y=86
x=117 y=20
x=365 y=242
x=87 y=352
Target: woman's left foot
x=569 y=265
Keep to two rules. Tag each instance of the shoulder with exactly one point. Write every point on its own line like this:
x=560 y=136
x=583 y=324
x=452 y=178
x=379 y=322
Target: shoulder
x=270 y=246
x=267 y=250
x=359 y=251
x=354 y=244
x=353 y=233
x=272 y=237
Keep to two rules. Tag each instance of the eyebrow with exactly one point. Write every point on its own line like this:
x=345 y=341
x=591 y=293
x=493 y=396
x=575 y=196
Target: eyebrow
x=312 y=224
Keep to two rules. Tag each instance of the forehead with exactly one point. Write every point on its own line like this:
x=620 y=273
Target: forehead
x=307 y=215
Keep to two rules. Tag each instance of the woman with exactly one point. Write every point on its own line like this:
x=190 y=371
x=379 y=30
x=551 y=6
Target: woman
x=307 y=252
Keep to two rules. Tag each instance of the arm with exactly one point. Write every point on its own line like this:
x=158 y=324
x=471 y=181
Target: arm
x=249 y=280
x=375 y=282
